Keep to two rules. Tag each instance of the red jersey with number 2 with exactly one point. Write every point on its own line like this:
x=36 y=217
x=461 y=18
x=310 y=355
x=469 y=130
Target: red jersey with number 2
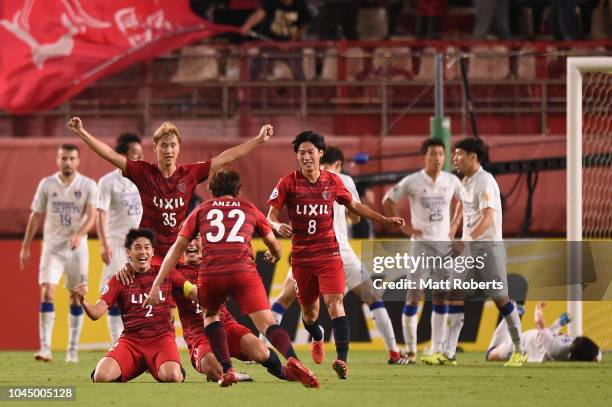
x=165 y=200
x=311 y=213
x=226 y=226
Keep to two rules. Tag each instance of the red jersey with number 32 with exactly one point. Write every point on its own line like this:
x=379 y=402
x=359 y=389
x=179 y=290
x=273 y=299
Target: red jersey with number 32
x=226 y=226
x=311 y=213
x=190 y=312
x=139 y=322
x=165 y=200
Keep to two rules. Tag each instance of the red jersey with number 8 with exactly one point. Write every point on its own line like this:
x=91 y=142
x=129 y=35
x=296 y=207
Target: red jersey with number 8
x=311 y=213
x=226 y=226
x=165 y=200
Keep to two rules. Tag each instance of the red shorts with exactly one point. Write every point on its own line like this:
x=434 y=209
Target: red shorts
x=135 y=356
x=234 y=331
x=246 y=288
x=314 y=280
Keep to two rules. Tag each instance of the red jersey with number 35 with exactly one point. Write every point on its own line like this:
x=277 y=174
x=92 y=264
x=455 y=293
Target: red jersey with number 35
x=139 y=322
x=226 y=226
x=165 y=200
x=311 y=213
x=190 y=312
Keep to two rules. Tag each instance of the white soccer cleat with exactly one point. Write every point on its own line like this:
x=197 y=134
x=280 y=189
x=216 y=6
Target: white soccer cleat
x=72 y=356
x=243 y=377
x=43 y=355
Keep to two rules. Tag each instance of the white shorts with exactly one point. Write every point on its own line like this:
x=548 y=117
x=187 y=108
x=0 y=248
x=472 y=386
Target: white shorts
x=354 y=274
x=73 y=263
x=118 y=260
x=431 y=254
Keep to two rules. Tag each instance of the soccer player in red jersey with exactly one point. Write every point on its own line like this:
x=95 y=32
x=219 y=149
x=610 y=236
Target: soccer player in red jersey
x=242 y=344
x=309 y=194
x=147 y=341
x=226 y=225
x=166 y=187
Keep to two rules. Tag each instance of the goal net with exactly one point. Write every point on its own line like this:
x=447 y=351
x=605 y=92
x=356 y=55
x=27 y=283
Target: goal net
x=589 y=203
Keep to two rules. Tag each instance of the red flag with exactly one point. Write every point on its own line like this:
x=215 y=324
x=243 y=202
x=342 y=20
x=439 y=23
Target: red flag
x=53 y=49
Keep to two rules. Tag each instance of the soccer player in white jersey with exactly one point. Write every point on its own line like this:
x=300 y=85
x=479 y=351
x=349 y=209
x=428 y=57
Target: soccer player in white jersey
x=482 y=233
x=118 y=210
x=66 y=200
x=544 y=343
x=357 y=280
x=430 y=193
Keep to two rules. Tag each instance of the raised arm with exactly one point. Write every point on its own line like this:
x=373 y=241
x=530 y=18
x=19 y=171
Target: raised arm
x=95 y=311
x=282 y=229
x=232 y=154
x=362 y=210
x=33 y=223
x=172 y=257
x=100 y=148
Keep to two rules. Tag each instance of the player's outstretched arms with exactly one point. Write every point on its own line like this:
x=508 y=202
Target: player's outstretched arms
x=274 y=254
x=362 y=210
x=282 y=229
x=24 y=253
x=172 y=257
x=95 y=311
x=96 y=145
x=232 y=154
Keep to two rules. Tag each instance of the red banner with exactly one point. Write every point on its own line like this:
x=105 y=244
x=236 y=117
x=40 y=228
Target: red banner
x=52 y=49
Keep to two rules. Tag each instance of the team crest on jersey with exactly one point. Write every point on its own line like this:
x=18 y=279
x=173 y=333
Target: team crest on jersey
x=105 y=289
x=181 y=187
x=77 y=194
x=274 y=194
x=325 y=195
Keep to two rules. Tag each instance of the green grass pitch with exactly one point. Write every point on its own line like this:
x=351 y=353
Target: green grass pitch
x=371 y=383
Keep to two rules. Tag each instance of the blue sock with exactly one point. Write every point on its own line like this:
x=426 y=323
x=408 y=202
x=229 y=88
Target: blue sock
x=279 y=309
x=456 y=309
x=376 y=305
x=342 y=333
x=46 y=307
x=76 y=310
x=507 y=309
x=440 y=309
x=410 y=310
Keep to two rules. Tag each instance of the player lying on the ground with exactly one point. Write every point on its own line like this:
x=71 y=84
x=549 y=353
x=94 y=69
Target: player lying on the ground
x=357 y=279
x=147 y=341
x=309 y=194
x=226 y=225
x=544 y=343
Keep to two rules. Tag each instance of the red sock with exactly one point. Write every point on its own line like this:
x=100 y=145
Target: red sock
x=279 y=338
x=218 y=342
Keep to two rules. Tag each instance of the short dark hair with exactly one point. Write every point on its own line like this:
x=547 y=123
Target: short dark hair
x=308 y=136
x=431 y=142
x=583 y=349
x=123 y=142
x=473 y=145
x=134 y=234
x=225 y=182
x=69 y=147
x=332 y=154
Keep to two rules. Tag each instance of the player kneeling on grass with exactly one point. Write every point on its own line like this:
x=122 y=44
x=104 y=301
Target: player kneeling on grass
x=544 y=343
x=148 y=341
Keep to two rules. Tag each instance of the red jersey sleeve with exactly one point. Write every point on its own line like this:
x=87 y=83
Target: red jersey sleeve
x=177 y=279
x=111 y=291
x=343 y=196
x=190 y=226
x=279 y=194
x=199 y=170
x=262 y=226
x=137 y=171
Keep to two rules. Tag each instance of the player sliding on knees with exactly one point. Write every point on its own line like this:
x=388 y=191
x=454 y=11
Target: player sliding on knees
x=309 y=194
x=226 y=225
x=544 y=343
x=165 y=187
x=147 y=341
x=242 y=344
x=357 y=279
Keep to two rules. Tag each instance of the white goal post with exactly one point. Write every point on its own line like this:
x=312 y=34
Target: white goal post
x=576 y=66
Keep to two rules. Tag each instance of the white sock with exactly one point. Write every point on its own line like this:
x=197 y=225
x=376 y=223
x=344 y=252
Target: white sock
x=115 y=327
x=75 y=326
x=455 y=324
x=384 y=325
x=439 y=322
x=513 y=321
x=46 y=322
x=410 y=322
